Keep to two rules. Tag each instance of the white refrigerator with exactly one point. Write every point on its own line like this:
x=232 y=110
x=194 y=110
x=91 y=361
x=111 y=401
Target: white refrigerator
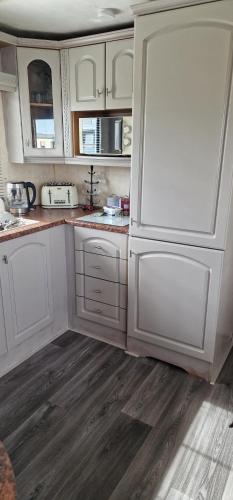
x=181 y=232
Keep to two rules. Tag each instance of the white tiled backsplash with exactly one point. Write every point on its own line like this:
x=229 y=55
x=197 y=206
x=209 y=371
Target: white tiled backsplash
x=112 y=179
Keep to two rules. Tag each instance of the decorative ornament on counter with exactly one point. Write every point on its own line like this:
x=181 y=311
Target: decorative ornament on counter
x=92 y=191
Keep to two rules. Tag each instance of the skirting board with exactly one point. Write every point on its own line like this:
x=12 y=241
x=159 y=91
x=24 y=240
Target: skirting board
x=98 y=332
x=193 y=366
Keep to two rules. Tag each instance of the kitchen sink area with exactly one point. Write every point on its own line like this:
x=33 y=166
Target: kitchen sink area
x=8 y=222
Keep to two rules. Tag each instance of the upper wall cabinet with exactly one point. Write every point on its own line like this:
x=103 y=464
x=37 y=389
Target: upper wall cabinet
x=40 y=99
x=119 y=74
x=101 y=76
x=87 y=77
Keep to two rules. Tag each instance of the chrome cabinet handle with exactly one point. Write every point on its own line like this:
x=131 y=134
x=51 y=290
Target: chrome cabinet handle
x=97 y=291
x=5 y=259
x=99 y=247
x=99 y=92
x=108 y=91
x=96 y=267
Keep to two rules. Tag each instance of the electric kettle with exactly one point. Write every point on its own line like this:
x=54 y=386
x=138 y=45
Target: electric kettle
x=18 y=197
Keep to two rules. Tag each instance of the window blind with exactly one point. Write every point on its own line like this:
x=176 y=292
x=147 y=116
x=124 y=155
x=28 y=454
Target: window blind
x=3 y=153
x=2 y=179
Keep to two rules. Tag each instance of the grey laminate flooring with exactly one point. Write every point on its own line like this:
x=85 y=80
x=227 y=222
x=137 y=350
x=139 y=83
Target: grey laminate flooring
x=81 y=420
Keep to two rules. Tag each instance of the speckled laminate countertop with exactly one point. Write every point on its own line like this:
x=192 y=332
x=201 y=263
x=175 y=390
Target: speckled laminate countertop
x=55 y=217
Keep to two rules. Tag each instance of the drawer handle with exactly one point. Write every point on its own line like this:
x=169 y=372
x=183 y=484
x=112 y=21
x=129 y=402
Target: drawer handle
x=97 y=291
x=97 y=311
x=99 y=247
x=96 y=267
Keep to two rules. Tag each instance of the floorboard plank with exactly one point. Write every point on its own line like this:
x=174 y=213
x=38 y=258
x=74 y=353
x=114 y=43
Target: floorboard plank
x=84 y=421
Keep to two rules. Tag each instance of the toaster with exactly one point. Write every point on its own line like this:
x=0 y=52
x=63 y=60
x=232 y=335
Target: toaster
x=59 y=195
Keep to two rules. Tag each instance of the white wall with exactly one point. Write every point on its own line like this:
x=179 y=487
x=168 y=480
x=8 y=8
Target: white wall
x=112 y=179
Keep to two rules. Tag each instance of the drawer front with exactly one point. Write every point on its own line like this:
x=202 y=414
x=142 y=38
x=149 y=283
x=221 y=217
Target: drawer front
x=101 y=242
x=107 y=292
x=104 y=314
x=102 y=267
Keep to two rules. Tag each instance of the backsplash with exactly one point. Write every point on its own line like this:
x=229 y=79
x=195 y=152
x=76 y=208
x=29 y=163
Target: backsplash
x=112 y=179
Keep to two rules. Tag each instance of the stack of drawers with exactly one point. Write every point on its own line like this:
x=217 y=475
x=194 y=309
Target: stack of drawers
x=101 y=276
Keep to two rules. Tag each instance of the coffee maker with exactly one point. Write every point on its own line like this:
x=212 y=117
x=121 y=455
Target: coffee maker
x=18 y=197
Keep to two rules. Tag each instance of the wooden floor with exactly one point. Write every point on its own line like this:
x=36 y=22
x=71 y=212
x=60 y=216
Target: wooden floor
x=83 y=421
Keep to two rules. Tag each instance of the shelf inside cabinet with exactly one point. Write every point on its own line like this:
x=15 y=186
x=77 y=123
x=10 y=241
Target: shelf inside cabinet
x=41 y=104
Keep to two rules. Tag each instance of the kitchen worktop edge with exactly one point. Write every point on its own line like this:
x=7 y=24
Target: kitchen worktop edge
x=48 y=218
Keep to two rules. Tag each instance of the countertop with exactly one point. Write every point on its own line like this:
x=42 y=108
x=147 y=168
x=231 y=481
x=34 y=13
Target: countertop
x=55 y=217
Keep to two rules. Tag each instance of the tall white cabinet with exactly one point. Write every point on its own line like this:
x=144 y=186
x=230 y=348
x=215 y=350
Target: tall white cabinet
x=182 y=186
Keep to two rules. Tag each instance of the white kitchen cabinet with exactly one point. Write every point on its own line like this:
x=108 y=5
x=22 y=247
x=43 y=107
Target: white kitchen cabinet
x=3 y=346
x=87 y=77
x=40 y=102
x=183 y=125
x=26 y=286
x=101 y=76
x=174 y=296
x=101 y=278
x=119 y=74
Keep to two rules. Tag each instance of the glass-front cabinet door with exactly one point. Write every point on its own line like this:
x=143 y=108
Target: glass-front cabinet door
x=40 y=98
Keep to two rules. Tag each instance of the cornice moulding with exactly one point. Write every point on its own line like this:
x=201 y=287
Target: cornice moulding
x=161 y=5
x=108 y=36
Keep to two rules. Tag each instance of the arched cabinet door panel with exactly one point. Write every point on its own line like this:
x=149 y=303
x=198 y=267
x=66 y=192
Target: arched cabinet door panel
x=40 y=99
x=27 y=293
x=183 y=125
x=119 y=74
x=173 y=296
x=87 y=77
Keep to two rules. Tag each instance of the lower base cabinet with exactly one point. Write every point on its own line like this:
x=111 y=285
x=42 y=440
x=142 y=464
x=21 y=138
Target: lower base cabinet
x=101 y=282
x=3 y=345
x=33 y=293
x=174 y=300
x=27 y=286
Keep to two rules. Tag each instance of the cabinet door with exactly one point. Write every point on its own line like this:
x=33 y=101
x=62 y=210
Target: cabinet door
x=174 y=296
x=119 y=74
x=40 y=98
x=27 y=289
x=183 y=125
x=87 y=77
x=3 y=347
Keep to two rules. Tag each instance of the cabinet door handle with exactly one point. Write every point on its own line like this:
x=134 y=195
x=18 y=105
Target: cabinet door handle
x=5 y=259
x=96 y=267
x=99 y=247
x=97 y=291
x=99 y=92
x=108 y=91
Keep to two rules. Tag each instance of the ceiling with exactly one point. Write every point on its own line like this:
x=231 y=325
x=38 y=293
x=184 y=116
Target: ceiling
x=59 y=19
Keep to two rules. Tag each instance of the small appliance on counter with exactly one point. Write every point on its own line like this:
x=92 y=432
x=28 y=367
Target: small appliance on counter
x=59 y=195
x=18 y=197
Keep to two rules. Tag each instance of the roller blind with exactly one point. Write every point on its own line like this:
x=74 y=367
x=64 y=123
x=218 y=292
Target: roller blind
x=2 y=179
x=3 y=153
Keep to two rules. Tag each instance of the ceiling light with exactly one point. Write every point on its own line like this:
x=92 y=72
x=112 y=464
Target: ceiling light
x=108 y=12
